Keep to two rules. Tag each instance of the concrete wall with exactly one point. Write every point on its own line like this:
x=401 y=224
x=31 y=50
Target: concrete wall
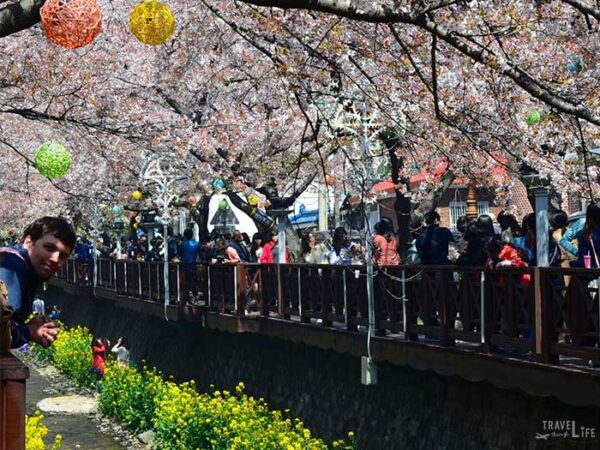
x=408 y=409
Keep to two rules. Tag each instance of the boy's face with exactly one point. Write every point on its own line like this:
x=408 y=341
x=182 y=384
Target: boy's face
x=47 y=254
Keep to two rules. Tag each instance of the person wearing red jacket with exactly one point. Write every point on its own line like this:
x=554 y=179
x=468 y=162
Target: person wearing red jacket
x=502 y=254
x=270 y=250
x=99 y=354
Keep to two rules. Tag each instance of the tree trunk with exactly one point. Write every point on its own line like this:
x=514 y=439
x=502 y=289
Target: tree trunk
x=402 y=205
x=200 y=215
x=406 y=215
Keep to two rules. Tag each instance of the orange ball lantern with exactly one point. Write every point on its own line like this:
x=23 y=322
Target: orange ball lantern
x=71 y=23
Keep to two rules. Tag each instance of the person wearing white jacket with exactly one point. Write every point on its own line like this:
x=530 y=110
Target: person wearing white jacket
x=122 y=351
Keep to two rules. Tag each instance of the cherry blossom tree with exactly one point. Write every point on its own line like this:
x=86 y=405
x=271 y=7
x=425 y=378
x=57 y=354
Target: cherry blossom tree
x=246 y=91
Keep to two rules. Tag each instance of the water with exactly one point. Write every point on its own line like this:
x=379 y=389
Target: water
x=78 y=431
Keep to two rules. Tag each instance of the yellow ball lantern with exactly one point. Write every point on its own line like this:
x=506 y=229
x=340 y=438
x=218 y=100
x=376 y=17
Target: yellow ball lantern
x=253 y=200
x=136 y=195
x=152 y=22
x=73 y=23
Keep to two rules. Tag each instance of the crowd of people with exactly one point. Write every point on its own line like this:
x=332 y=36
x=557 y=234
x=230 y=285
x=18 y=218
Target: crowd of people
x=482 y=241
x=477 y=242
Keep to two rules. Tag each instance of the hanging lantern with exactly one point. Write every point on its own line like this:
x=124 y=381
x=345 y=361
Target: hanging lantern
x=135 y=226
x=118 y=224
x=574 y=66
x=218 y=184
x=192 y=200
x=136 y=195
x=117 y=209
x=329 y=180
x=253 y=200
x=571 y=158
x=71 y=23
x=52 y=160
x=152 y=22
x=223 y=204
x=533 y=117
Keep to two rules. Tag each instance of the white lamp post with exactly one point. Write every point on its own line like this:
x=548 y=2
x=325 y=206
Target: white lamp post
x=363 y=129
x=158 y=180
x=96 y=226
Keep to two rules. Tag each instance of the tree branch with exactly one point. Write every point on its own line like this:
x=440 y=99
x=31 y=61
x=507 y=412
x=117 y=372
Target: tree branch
x=520 y=78
x=18 y=16
x=584 y=8
x=344 y=8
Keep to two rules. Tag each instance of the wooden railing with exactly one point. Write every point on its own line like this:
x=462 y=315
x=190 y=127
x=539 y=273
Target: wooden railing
x=543 y=313
x=13 y=374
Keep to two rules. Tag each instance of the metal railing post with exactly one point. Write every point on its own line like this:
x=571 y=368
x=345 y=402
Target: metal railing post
x=299 y=292
x=482 y=308
x=114 y=276
x=140 y=279
x=235 y=288
x=345 y=298
x=281 y=304
x=178 y=283
x=404 y=300
x=158 y=280
x=209 y=293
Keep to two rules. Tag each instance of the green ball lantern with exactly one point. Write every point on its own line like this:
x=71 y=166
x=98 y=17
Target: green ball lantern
x=533 y=117
x=52 y=160
x=223 y=204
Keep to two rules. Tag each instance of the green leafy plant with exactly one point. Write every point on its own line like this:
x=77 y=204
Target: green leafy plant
x=36 y=432
x=181 y=417
x=130 y=395
x=71 y=353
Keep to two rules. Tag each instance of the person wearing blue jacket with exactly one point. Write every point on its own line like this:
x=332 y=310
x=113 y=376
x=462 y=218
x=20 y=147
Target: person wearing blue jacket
x=47 y=243
x=589 y=238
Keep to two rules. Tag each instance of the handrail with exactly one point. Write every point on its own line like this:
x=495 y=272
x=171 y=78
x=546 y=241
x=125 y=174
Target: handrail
x=13 y=376
x=541 y=312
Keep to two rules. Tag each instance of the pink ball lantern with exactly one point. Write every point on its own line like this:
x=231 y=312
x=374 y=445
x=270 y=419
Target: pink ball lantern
x=192 y=200
x=329 y=180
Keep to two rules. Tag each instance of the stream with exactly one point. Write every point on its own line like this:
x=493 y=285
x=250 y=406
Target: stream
x=79 y=430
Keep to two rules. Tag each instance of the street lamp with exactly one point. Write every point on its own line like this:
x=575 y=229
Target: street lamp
x=157 y=178
x=362 y=127
x=96 y=227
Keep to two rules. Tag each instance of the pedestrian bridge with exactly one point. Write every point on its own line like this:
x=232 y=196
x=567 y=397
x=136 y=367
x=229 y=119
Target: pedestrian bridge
x=536 y=329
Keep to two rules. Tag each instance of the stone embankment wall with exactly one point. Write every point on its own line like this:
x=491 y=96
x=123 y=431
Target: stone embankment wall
x=407 y=409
